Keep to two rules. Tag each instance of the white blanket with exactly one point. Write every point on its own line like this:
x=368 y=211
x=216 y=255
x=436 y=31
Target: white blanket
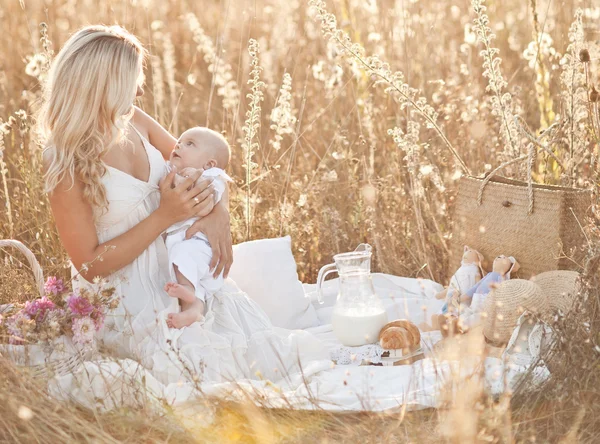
x=106 y=384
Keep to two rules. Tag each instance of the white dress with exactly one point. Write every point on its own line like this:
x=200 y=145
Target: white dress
x=236 y=340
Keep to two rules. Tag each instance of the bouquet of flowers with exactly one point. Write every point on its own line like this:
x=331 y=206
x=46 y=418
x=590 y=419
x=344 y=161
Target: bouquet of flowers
x=77 y=315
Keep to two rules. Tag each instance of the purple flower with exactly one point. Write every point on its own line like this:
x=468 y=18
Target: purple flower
x=79 y=305
x=39 y=307
x=98 y=317
x=54 y=285
x=83 y=331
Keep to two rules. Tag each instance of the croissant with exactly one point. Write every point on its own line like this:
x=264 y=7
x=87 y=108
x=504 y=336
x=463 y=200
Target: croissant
x=400 y=334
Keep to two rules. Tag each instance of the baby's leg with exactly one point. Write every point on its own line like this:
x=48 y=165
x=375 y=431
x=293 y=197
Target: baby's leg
x=182 y=290
x=192 y=308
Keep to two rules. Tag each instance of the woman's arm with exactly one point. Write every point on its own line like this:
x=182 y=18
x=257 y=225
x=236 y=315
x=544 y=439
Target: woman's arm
x=157 y=135
x=75 y=223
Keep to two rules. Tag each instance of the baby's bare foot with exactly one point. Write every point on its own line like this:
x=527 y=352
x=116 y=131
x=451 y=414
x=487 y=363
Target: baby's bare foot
x=184 y=319
x=179 y=291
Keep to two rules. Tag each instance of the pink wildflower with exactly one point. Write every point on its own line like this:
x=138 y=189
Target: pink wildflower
x=79 y=305
x=39 y=307
x=98 y=317
x=54 y=285
x=83 y=331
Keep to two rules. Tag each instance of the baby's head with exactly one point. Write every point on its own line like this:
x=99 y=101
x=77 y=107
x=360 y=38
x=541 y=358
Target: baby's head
x=200 y=147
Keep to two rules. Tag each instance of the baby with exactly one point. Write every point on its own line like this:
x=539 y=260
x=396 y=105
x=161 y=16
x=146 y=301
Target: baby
x=206 y=150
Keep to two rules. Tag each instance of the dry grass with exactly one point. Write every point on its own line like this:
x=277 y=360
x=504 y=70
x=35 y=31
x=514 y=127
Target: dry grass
x=323 y=136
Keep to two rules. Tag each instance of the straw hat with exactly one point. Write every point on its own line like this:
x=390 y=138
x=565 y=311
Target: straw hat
x=560 y=288
x=506 y=303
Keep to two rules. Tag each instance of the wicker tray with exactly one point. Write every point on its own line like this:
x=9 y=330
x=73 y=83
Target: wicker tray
x=58 y=357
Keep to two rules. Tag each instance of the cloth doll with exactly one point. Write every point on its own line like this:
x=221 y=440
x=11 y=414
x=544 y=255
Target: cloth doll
x=475 y=297
x=468 y=274
x=472 y=301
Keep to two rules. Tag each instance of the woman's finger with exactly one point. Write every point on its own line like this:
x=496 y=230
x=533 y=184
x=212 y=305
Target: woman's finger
x=223 y=260
x=215 y=263
x=195 y=228
x=200 y=192
x=192 y=193
x=203 y=208
x=185 y=185
x=195 y=175
x=203 y=183
x=167 y=182
x=228 y=260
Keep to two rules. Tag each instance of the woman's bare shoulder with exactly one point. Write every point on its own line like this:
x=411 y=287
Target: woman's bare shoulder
x=68 y=186
x=156 y=134
x=142 y=121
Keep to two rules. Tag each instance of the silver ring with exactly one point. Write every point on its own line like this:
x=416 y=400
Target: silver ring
x=196 y=200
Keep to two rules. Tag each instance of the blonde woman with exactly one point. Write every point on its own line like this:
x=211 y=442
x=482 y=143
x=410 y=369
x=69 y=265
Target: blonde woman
x=111 y=198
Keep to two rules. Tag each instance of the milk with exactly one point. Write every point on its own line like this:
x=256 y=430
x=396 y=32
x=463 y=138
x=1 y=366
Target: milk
x=354 y=327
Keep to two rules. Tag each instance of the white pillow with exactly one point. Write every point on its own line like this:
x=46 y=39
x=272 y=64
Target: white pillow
x=266 y=270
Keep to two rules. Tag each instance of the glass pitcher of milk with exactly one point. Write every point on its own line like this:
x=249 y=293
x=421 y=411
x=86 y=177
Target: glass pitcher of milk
x=358 y=314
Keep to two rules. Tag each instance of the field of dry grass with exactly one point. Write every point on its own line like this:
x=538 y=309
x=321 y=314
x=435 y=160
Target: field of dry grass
x=366 y=125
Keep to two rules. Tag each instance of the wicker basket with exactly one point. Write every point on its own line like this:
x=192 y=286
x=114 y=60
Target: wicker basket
x=58 y=357
x=540 y=226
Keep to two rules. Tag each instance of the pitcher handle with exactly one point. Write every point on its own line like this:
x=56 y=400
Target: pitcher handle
x=323 y=272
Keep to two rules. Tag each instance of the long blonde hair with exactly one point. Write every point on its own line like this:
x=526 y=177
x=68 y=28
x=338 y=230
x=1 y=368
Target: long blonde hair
x=88 y=100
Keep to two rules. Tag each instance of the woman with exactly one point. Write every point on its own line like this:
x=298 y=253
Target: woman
x=105 y=175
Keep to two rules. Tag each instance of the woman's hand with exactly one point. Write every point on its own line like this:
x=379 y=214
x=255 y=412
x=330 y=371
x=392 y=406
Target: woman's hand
x=216 y=228
x=178 y=203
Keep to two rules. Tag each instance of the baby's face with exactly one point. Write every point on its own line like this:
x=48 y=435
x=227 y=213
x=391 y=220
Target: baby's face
x=191 y=151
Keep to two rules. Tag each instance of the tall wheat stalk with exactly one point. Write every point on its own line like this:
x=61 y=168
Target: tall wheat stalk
x=251 y=127
x=502 y=104
x=574 y=95
x=222 y=77
x=169 y=64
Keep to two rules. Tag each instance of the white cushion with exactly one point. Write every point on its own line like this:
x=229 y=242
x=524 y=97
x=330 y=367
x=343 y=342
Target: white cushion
x=266 y=270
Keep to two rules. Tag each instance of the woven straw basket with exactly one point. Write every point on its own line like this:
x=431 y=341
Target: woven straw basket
x=58 y=357
x=539 y=226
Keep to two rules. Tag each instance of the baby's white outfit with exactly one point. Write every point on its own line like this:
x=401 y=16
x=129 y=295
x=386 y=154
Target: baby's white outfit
x=192 y=256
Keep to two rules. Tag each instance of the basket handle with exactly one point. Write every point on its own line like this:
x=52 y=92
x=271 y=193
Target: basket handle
x=492 y=173
x=38 y=274
x=535 y=143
